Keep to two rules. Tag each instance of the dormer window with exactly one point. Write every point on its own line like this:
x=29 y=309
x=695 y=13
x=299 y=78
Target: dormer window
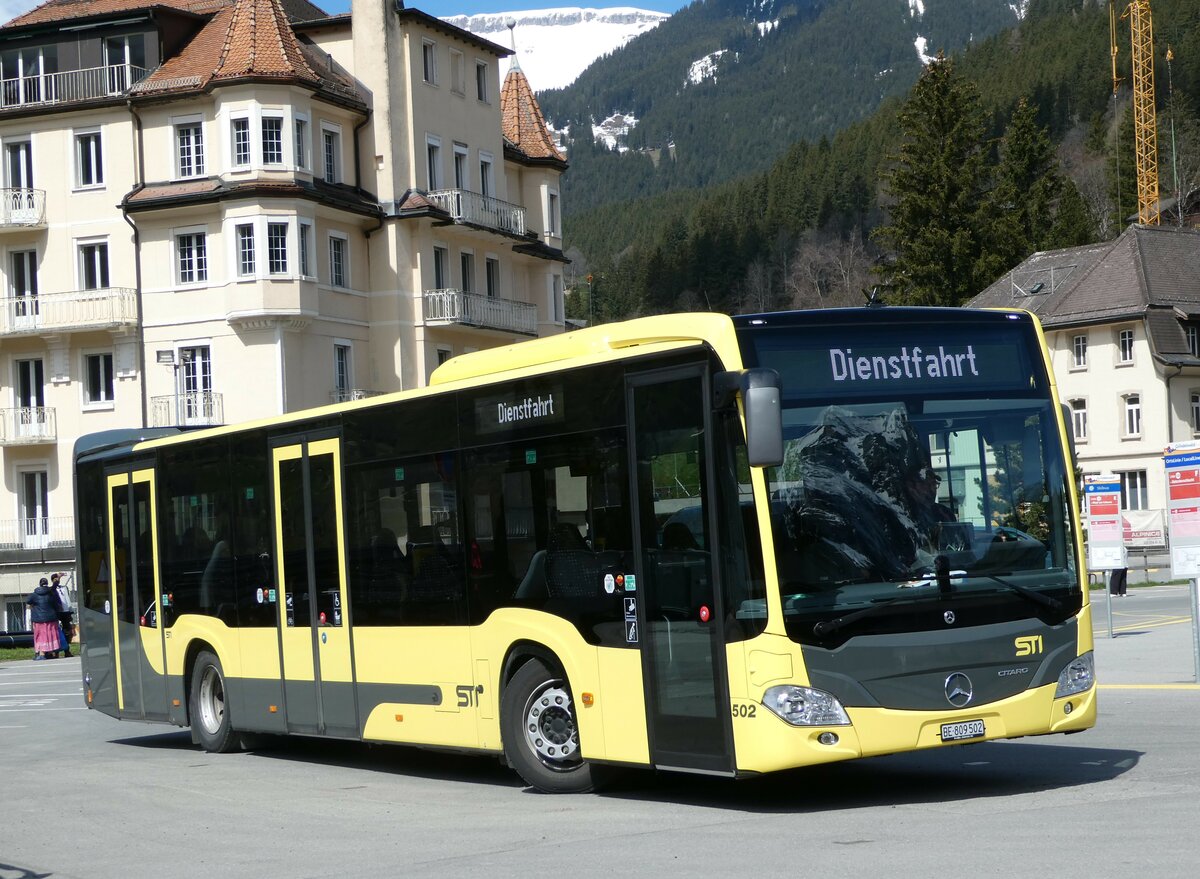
x=1193 y=339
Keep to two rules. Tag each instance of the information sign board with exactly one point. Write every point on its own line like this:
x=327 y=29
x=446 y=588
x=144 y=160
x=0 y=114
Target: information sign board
x=1106 y=539
x=1182 y=461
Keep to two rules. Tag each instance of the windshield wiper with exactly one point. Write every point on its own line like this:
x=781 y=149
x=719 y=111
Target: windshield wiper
x=1026 y=593
x=828 y=627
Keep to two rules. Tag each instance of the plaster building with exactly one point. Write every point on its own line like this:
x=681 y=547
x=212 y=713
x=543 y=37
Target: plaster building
x=220 y=210
x=1122 y=321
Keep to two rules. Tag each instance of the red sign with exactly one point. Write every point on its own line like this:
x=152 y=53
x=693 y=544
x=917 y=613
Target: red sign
x=1104 y=504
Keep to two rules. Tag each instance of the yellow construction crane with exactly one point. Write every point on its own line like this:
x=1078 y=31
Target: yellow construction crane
x=1145 y=125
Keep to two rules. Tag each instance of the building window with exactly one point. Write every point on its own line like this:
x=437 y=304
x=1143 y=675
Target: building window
x=1134 y=495
x=443 y=354
x=1079 y=420
x=552 y=216
x=1195 y=412
x=441 y=263
x=301 y=143
x=433 y=163
x=241 y=142
x=331 y=143
x=467 y=264
x=481 y=81
x=1193 y=337
x=485 y=175
x=556 y=298
x=245 y=249
x=89 y=163
x=305 y=249
x=1133 y=415
x=1079 y=351
x=342 y=376
x=93 y=266
x=458 y=73
x=1125 y=346
x=193 y=257
x=98 y=372
x=189 y=149
x=429 y=62
x=272 y=140
x=277 y=263
x=460 y=167
x=337 y=261
x=492 y=267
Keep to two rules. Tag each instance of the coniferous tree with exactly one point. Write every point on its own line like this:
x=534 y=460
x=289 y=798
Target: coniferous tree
x=937 y=183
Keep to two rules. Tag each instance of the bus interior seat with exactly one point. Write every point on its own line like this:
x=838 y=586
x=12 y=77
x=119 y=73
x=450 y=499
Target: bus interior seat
x=533 y=584
x=572 y=569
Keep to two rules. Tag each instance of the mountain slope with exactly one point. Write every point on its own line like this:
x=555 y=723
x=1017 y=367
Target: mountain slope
x=723 y=87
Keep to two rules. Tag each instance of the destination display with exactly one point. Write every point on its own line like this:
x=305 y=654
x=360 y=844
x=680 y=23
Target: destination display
x=513 y=412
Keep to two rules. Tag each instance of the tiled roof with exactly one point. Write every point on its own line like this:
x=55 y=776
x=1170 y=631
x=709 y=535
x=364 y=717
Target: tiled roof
x=63 y=10
x=1148 y=272
x=521 y=120
x=168 y=194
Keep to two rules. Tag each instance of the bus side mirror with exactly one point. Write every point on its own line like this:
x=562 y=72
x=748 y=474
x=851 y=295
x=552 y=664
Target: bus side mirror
x=761 y=391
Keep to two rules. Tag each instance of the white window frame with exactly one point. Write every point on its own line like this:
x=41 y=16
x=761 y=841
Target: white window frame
x=331 y=165
x=433 y=161
x=345 y=248
x=462 y=170
x=238 y=264
x=263 y=119
x=458 y=73
x=88 y=404
x=78 y=136
x=1131 y=415
x=482 y=76
x=553 y=213
x=1079 y=419
x=80 y=244
x=1133 y=485
x=302 y=141
x=429 y=71
x=492 y=277
x=1193 y=339
x=346 y=345
x=234 y=120
x=1195 y=401
x=1125 y=345
x=466 y=271
x=177 y=255
x=441 y=279
x=305 y=229
x=198 y=167
x=487 y=169
x=556 y=298
x=271 y=224
x=1079 y=349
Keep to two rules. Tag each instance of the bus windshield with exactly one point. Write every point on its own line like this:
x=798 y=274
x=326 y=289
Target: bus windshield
x=903 y=502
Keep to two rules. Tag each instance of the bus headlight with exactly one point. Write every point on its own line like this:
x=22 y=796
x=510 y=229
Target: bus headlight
x=1077 y=677
x=804 y=706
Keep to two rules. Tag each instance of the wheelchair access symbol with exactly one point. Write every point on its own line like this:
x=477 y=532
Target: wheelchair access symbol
x=631 y=632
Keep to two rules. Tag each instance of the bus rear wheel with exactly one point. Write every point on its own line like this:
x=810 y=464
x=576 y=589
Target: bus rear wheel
x=541 y=739
x=208 y=708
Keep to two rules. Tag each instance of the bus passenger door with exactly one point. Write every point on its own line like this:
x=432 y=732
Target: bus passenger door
x=134 y=596
x=677 y=598
x=318 y=678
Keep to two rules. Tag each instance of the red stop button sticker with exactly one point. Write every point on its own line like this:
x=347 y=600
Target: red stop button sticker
x=704 y=613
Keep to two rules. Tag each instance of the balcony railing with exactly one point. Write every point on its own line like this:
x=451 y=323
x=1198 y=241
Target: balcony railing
x=344 y=395
x=470 y=309
x=38 y=532
x=193 y=409
x=28 y=425
x=109 y=81
x=22 y=208
x=106 y=308
x=480 y=210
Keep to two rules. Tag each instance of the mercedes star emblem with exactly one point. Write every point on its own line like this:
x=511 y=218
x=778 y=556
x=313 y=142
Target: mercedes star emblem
x=959 y=690
x=948 y=616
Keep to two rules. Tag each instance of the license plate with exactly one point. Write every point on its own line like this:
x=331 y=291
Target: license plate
x=967 y=729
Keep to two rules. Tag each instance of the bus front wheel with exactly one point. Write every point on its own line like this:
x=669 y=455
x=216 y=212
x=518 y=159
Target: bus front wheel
x=208 y=707
x=541 y=740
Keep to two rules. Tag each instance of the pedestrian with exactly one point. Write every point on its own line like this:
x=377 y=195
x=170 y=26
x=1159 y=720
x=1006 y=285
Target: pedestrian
x=65 y=616
x=1117 y=584
x=45 y=609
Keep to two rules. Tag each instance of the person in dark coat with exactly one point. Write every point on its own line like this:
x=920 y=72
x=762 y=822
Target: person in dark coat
x=45 y=608
x=65 y=617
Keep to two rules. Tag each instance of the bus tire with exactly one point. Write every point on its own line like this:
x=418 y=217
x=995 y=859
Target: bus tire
x=208 y=707
x=541 y=740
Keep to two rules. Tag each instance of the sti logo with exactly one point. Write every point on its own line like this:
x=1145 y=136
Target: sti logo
x=1028 y=645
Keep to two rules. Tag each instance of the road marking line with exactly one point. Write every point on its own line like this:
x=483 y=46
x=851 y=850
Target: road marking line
x=1148 y=686
x=15 y=710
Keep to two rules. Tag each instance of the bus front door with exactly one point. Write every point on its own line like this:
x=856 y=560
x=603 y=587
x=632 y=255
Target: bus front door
x=134 y=596
x=676 y=598
x=315 y=632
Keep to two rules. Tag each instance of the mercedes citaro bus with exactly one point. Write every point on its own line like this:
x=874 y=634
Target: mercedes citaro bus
x=689 y=542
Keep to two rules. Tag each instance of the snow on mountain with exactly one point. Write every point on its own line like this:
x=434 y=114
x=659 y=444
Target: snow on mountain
x=554 y=46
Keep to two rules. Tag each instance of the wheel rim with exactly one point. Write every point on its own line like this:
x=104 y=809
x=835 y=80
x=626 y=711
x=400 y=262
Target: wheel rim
x=550 y=727
x=212 y=700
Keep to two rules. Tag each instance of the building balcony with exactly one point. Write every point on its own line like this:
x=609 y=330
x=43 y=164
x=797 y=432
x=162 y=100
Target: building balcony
x=108 y=308
x=22 y=209
x=473 y=209
x=446 y=307
x=192 y=409
x=69 y=86
x=28 y=426
x=37 y=533
x=346 y=394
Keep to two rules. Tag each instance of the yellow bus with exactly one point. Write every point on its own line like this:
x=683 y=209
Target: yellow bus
x=690 y=542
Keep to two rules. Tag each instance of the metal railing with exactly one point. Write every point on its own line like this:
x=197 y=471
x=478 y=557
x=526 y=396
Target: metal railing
x=482 y=210
x=37 y=532
x=193 y=409
x=28 y=425
x=22 y=208
x=342 y=396
x=456 y=307
x=104 y=308
x=90 y=83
